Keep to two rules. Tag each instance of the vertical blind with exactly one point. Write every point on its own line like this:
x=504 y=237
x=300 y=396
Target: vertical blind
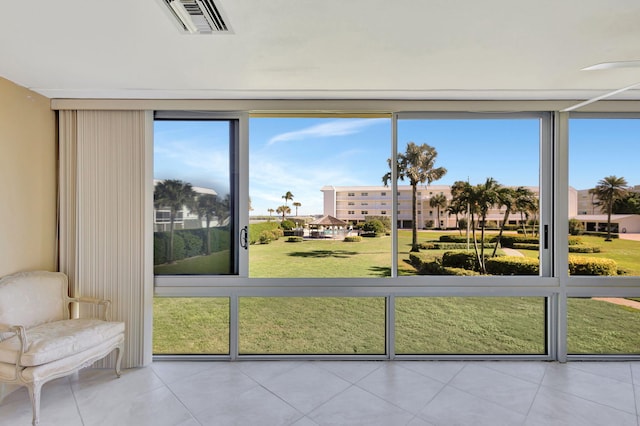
x=104 y=199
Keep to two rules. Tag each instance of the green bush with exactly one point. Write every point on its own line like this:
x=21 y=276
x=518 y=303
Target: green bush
x=459 y=259
x=427 y=246
x=509 y=240
x=525 y=246
x=287 y=224
x=460 y=272
x=575 y=227
x=374 y=226
x=583 y=248
x=462 y=239
x=255 y=229
x=582 y=265
x=574 y=241
x=266 y=237
x=295 y=240
x=512 y=265
x=352 y=239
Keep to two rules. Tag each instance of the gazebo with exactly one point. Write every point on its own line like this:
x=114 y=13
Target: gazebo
x=324 y=223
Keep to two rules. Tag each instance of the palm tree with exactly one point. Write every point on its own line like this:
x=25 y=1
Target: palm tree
x=438 y=201
x=506 y=199
x=270 y=211
x=608 y=190
x=174 y=195
x=206 y=206
x=283 y=210
x=296 y=205
x=485 y=196
x=286 y=197
x=455 y=209
x=417 y=165
x=525 y=202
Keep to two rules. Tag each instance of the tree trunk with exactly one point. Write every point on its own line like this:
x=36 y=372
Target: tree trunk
x=414 y=217
x=208 y=239
x=170 y=256
x=504 y=221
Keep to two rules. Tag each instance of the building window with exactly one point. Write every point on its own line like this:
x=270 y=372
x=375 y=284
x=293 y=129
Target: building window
x=351 y=212
x=383 y=194
x=364 y=194
x=351 y=203
x=351 y=194
x=383 y=212
x=364 y=212
x=364 y=204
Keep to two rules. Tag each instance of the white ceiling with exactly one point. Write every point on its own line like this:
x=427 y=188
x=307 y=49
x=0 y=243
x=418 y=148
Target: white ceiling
x=324 y=49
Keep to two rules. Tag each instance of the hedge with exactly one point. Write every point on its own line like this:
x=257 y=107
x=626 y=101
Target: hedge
x=352 y=239
x=459 y=259
x=427 y=266
x=525 y=246
x=512 y=265
x=451 y=246
x=584 y=248
x=295 y=240
x=582 y=265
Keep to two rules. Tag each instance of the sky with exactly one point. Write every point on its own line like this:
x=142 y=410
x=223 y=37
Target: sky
x=301 y=155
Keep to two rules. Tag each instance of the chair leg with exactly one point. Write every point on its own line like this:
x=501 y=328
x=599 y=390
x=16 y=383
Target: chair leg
x=34 y=395
x=119 y=359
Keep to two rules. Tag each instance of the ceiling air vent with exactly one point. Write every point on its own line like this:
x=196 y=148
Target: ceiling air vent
x=198 y=16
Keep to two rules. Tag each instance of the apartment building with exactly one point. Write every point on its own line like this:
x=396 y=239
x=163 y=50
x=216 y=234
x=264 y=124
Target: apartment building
x=354 y=203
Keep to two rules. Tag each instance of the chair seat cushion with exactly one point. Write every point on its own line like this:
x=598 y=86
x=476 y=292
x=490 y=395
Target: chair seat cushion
x=59 y=339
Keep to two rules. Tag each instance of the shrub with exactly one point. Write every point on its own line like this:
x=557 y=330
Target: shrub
x=287 y=224
x=266 y=237
x=459 y=272
x=461 y=239
x=583 y=248
x=512 y=265
x=582 y=265
x=352 y=239
x=374 y=226
x=428 y=246
x=575 y=227
x=509 y=240
x=428 y=223
x=525 y=246
x=255 y=229
x=295 y=240
x=575 y=241
x=459 y=259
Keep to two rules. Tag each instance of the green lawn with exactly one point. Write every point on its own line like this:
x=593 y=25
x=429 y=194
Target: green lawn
x=354 y=325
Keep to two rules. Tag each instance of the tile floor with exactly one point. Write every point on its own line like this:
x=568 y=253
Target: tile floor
x=307 y=393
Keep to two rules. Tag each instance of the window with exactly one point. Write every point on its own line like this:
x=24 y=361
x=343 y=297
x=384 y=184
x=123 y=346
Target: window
x=383 y=194
x=383 y=212
x=471 y=175
x=317 y=160
x=194 y=229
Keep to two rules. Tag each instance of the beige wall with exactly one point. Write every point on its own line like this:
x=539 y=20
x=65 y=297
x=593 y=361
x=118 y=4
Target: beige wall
x=27 y=180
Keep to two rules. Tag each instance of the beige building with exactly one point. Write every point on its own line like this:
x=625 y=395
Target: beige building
x=354 y=203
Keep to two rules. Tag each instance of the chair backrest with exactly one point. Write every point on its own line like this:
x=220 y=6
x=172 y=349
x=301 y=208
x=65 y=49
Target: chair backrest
x=32 y=298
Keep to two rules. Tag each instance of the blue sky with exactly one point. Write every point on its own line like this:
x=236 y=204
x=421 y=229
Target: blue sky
x=302 y=155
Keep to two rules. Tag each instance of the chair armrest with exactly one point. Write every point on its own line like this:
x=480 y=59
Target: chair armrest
x=106 y=312
x=21 y=332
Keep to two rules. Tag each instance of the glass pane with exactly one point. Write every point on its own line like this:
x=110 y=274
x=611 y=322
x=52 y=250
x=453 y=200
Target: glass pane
x=192 y=234
x=603 y=326
x=470 y=325
x=468 y=197
x=319 y=208
x=604 y=197
x=312 y=325
x=195 y=325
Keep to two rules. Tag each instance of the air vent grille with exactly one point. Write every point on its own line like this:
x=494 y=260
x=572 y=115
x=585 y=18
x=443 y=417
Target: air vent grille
x=198 y=16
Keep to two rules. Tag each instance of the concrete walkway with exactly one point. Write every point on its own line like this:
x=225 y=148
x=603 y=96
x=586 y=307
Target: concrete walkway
x=512 y=252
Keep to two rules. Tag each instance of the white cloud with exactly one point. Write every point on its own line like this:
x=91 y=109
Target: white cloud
x=332 y=128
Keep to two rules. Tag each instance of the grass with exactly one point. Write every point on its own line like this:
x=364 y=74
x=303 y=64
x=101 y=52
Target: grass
x=355 y=325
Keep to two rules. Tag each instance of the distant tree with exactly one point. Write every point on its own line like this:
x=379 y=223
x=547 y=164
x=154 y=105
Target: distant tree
x=438 y=201
x=270 y=211
x=417 y=164
x=608 y=190
x=296 y=205
x=287 y=197
x=575 y=227
x=283 y=210
x=174 y=195
x=629 y=204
